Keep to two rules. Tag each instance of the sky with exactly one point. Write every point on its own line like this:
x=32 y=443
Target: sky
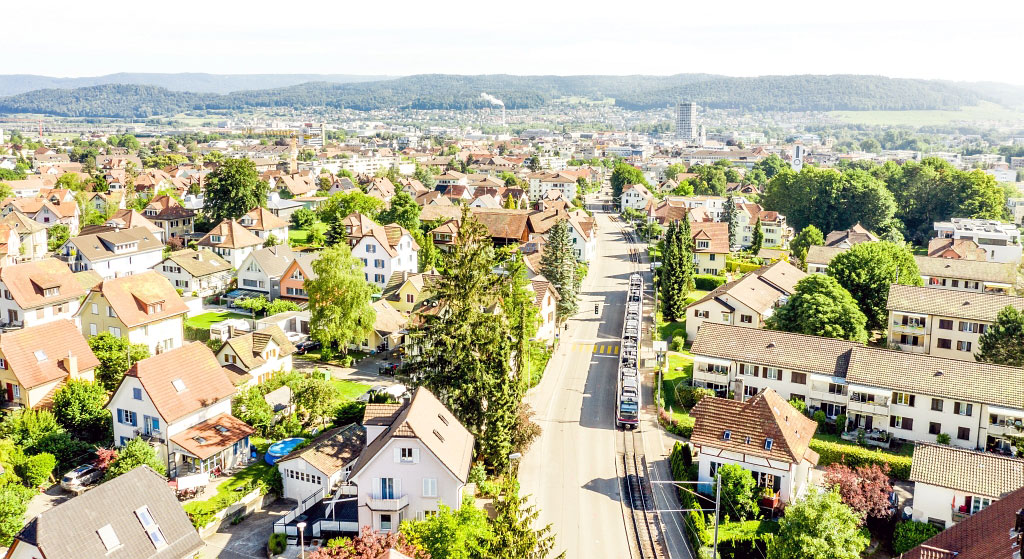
x=962 y=41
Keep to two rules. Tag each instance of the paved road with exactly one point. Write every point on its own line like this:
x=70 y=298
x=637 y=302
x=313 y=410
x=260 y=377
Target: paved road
x=570 y=470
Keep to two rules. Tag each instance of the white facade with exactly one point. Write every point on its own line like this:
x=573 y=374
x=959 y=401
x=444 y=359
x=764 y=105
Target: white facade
x=11 y=312
x=583 y=246
x=113 y=267
x=541 y=183
x=634 y=196
x=378 y=264
x=1001 y=241
x=202 y=286
x=790 y=480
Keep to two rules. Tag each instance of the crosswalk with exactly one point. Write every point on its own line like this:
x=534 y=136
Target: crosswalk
x=600 y=349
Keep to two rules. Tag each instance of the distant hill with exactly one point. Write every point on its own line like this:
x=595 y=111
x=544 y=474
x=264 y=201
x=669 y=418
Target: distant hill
x=13 y=84
x=456 y=92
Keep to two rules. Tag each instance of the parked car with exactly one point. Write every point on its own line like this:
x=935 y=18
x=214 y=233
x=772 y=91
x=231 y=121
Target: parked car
x=80 y=477
x=307 y=346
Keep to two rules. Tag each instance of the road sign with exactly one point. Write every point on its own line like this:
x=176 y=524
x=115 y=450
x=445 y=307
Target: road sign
x=660 y=346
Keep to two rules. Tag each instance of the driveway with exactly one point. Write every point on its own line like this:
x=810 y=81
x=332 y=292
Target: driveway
x=365 y=371
x=43 y=502
x=247 y=539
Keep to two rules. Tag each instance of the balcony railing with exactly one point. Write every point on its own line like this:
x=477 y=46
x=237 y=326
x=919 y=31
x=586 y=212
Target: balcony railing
x=388 y=504
x=151 y=437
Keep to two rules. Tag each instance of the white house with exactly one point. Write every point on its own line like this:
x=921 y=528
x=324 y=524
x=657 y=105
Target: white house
x=765 y=435
x=584 y=238
x=38 y=292
x=180 y=402
x=546 y=300
x=231 y=241
x=951 y=483
x=322 y=467
x=1000 y=240
x=635 y=196
x=257 y=355
x=383 y=249
x=198 y=272
x=543 y=181
x=417 y=457
x=114 y=254
x=262 y=270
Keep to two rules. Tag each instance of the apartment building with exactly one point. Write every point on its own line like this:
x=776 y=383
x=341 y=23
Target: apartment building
x=383 y=249
x=773 y=226
x=942 y=322
x=888 y=394
x=144 y=308
x=978 y=276
x=542 y=182
x=166 y=213
x=1000 y=240
x=748 y=301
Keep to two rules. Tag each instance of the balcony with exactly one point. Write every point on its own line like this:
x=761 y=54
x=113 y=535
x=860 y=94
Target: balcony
x=878 y=405
x=1006 y=427
x=388 y=504
x=151 y=437
x=898 y=326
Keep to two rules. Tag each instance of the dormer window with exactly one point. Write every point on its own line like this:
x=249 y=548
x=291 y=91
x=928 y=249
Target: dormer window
x=40 y=355
x=51 y=291
x=727 y=435
x=154 y=308
x=703 y=244
x=216 y=239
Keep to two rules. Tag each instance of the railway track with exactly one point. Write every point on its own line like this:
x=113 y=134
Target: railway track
x=638 y=508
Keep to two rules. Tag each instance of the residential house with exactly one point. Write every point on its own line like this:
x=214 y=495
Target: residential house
x=32 y=241
x=37 y=293
x=282 y=207
x=958 y=249
x=262 y=270
x=264 y=224
x=545 y=299
x=143 y=308
x=293 y=280
x=389 y=329
x=231 y=241
x=408 y=290
x=180 y=402
x=381 y=188
x=543 y=181
x=635 y=196
x=764 y=435
x=197 y=272
x=36 y=361
x=417 y=457
x=773 y=226
x=168 y=214
x=890 y=395
x=295 y=324
x=710 y=247
x=258 y=355
x=10 y=246
x=383 y=249
x=322 y=468
x=45 y=212
x=847 y=238
x=995 y=532
x=748 y=301
x=583 y=232
x=1000 y=240
x=942 y=322
x=127 y=219
x=135 y=515
x=952 y=483
x=112 y=253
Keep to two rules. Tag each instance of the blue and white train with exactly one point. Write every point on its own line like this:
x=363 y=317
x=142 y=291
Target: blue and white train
x=627 y=403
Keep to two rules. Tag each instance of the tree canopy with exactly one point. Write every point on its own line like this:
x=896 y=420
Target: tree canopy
x=116 y=356
x=339 y=299
x=819 y=527
x=868 y=269
x=1003 y=341
x=675 y=276
x=558 y=265
x=819 y=306
x=133 y=454
x=807 y=237
x=233 y=189
x=624 y=174
x=79 y=407
x=830 y=199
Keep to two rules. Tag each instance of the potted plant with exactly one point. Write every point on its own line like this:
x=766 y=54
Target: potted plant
x=769 y=498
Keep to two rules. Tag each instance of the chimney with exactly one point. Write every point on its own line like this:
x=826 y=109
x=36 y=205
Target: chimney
x=231 y=332
x=199 y=256
x=71 y=365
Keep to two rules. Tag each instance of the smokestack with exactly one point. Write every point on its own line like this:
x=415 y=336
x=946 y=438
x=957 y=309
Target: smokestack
x=495 y=101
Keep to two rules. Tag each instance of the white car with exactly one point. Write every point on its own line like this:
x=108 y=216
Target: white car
x=80 y=477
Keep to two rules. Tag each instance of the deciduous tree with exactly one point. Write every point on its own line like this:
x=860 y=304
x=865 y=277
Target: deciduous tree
x=865 y=489
x=116 y=356
x=819 y=306
x=807 y=237
x=133 y=454
x=79 y=408
x=868 y=269
x=403 y=210
x=452 y=534
x=739 y=492
x=624 y=174
x=233 y=189
x=820 y=526
x=1003 y=342
x=339 y=299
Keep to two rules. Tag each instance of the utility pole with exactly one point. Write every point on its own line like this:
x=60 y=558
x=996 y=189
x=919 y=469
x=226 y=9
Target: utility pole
x=718 y=502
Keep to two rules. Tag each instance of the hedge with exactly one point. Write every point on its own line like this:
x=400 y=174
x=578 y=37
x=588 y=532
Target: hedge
x=197 y=334
x=745 y=540
x=680 y=428
x=707 y=282
x=853 y=456
x=911 y=534
x=742 y=267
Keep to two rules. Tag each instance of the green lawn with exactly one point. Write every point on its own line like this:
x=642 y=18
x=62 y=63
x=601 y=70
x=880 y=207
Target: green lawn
x=206 y=320
x=231 y=491
x=337 y=361
x=350 y=389
x=301 y=236
x=680 y=373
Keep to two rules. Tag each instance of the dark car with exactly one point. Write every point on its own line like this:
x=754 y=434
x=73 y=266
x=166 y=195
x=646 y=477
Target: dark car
x=307 y=346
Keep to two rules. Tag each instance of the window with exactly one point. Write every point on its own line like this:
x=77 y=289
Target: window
x=913 y=321
x=385 y=522
x=137 y=393
x=697 y=313
x=429 y=487
x=151 y=527
x=409 y=297
x=114 y=331
x=943 y=343
x=834 y=388
x=963 y=433
x=749 y=370
x=110 y=312
x=108 y=537
x=750 y=391
x=725 y=316
x=406 y=456
x=833 y=410
x=772 y=373
x=901 y=422
x=727 y=435
x=92 y=329
x=746 y=319
x=127 y=417
x=936 y=404
x=963 y=408
x=768 y=444
x=378 y=278
x=934 y=428
x=972 y=327
x=95 y=309
x=903 y=399
x=798 y=378
x=378 y=263
x=963 y=346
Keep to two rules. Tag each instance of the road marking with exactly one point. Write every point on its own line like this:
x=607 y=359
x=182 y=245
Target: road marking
x=615 y=349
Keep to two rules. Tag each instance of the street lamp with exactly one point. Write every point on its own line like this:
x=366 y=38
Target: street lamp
x=302 y=540
x=511 y=457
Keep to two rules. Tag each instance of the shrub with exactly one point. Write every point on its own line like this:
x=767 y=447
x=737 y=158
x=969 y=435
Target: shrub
x=196 y=333
x=681 y=428
x=36 y=470
x=910 y=534
x=799 y=405
x=707 y=282
x=853 y=456
x=841 y=422
x=820 y=418
x=688 y=396
x=678 y=343
x=942 y=438
x=349 y=412
x=477 y=473
x=277 y=543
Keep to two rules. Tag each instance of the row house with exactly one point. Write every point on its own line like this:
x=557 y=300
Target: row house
x=37 y=293
x=180 y=402
x=36 y=361
x=142 y=308
x=748 y=301
x=887 y=394
x=196 y=272
x=112 y=253
x=942 y=322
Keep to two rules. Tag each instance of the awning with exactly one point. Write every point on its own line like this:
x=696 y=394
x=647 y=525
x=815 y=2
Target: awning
x=999 y=410
x=712 y=360
x=192 y=481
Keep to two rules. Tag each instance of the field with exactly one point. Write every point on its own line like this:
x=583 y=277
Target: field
x=984 y=111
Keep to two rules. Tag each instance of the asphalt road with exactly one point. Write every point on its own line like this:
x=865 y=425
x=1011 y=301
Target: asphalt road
x=570 y=470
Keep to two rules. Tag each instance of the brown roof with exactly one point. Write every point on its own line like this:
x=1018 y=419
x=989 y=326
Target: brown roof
x=233 y=235
x=965 y=249
x=823 y=255
x=388 y=320
x=425 y=418
x=541 y=287
x=986 y=534
x=826 y=356
x=202 y=381
x=199 y=263
x=949 y=302
x=970 y=471
x=937 y=376
x=504 y=224
x=973 y=270
x=101 y=246
x=381 y=414
x=126 y=219
x=332 y=450
x=262 y=220
x=130 y=296
x=716 y=233
x=760 y=290
x=854 y=235
x=249 y=347
x=213 y=435
x=40 y=354
x=166 y=208
x=750 y=424
x=27 y=283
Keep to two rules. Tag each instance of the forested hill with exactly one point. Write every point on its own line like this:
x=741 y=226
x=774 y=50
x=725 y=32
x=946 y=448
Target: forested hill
x=444 y=91
x=13 y=84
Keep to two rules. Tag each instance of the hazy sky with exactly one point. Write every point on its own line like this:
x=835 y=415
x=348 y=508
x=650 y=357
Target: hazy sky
x=962 y=40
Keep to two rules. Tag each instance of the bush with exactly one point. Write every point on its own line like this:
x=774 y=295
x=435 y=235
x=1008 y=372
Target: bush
x=277 y=543
x=745 y=540
x=681 y=428
x=841 y=423
x=37 y=469
x=853 y=456
x=910 y=534
x=478 y=473
x=349 y=412
x=799 y=405
x=942 y=438
x=197 y=334
x=820 y=418
x=678 y=343
x=707 y=282
x=689 y=396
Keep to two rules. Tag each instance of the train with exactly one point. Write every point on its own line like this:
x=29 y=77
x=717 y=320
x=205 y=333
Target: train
x=628 y=388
